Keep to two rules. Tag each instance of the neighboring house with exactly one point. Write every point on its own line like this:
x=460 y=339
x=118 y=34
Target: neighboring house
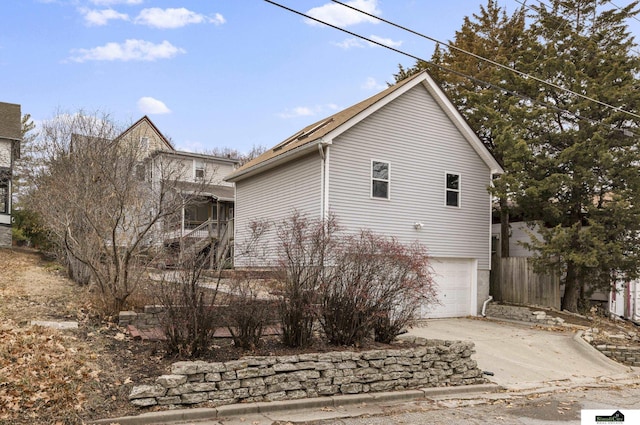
x=211 y=211
x=402 y=163
x=10 y=137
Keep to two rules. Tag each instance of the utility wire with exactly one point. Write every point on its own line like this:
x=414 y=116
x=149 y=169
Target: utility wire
x=492 y=62
x=443 y=68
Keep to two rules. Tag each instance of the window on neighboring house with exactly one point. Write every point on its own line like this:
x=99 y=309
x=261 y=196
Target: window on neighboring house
x=141 y=172
x=144 y=143
x=453 y=190
x=380 y=179
x=4 y=197
x=199 y=173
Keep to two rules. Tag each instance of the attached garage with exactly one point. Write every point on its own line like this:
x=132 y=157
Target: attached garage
x=456 y=281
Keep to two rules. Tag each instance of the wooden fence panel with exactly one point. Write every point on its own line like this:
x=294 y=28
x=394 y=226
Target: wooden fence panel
x=514 y=281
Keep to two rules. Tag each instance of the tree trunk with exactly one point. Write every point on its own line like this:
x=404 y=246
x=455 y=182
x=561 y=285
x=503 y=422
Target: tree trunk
x=571 y=289
x=504 y=228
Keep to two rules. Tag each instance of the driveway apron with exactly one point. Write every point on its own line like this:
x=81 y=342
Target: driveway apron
x=521 y=356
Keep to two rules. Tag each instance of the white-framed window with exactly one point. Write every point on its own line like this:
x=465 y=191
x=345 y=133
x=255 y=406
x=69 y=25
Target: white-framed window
x=199 y=170
x=380 y=179
x=452 y=189
x=4 y=198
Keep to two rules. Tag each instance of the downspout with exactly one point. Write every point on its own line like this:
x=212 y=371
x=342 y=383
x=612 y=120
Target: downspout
x=322 y=171
x=324 y=184
x=484 y=306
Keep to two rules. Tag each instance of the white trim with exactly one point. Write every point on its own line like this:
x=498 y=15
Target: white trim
x=372 y=179
x=458 y=191
x=326 y=181
x=275 y=161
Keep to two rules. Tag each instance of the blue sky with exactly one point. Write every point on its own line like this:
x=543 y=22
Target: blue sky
x=214 y=73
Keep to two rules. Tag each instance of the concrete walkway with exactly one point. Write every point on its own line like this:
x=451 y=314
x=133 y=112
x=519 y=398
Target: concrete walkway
x=523 y=357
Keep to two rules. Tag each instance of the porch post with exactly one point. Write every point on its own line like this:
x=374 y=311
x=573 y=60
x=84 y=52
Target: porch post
x=218 y=216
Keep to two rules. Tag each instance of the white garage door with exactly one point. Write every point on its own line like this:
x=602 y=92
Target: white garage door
x=455 y=279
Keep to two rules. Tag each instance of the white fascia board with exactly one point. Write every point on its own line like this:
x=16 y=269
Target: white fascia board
x=277 y=160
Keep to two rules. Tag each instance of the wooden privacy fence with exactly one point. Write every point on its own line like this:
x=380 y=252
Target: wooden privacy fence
x=514 y=281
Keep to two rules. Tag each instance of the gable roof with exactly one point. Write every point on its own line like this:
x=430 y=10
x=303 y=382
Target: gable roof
x=10 y=121
x=145 y=119
x=324 y=131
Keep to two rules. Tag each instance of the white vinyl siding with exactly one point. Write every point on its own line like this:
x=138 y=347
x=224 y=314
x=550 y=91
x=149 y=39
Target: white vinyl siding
x=415 y=135
x=273 y=196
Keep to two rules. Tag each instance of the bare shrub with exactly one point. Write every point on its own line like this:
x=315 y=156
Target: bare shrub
x=305 y=248
x=247 y=313
x=190 y=319
x=376 y=286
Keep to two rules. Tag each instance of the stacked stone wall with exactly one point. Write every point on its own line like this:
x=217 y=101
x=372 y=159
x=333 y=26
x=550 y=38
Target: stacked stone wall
x=521 y=314
x=5 y=236
x=626 y=355
x=427 y=363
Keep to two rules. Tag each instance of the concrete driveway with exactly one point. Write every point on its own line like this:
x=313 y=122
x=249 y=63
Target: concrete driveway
x=522 y=357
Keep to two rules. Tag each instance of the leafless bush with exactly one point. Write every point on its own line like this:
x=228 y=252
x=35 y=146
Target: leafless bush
x=306 y=247
x=247 y=314
x=357 y=286
x=376 y=287
x=190 y=318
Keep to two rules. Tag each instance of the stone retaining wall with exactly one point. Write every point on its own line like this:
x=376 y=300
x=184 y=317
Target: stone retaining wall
x=148 y=319
x=629 y=356
x=428 y=363
x=521 y=314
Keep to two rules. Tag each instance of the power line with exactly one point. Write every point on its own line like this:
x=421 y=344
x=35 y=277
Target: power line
x=492 y=62
x=443 y=68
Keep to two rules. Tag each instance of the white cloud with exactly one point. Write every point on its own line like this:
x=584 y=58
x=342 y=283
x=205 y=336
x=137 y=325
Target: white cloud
x=372 y=84
x=149 y=105
x=386 y=41
x=350 y=43
x=112 y=2
x=306 y=111
x=174 y=18
x=130 y=50
x=342 y=16
x=102 y=17
x=298 y=111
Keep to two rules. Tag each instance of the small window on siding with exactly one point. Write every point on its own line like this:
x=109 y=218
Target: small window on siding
x=380 y=179
x=453 y=190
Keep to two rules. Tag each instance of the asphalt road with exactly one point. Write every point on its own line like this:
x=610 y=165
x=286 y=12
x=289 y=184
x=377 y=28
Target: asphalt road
x=563 y=408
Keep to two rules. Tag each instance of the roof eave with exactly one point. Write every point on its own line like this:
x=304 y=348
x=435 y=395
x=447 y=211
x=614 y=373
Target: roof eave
x=276 y=160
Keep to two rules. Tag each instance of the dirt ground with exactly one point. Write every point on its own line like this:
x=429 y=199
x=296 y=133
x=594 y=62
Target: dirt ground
x=62 y=377
x=58 y=377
